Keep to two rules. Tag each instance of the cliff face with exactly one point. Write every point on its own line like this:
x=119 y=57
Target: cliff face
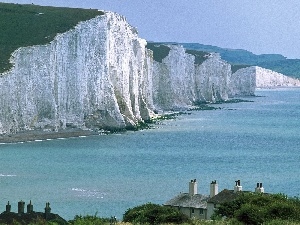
x=99 y=75
x=244 y=81
x=212 y=79
x=173 y=80
x=178 y=82
x=96 y=75
x=268 y=78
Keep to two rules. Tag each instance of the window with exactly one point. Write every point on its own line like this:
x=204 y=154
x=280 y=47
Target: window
x=201 y=211
x=193 y=210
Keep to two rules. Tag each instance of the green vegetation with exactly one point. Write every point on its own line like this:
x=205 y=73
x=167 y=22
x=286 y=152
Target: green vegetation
x=27 y=25
x=289 y=67
x=154 y=214
x=142 y=125
x=236 y=67
x=233 y=100
x=198 y=106
x=200 y=56
x=92 y=220
x=203 y=105
x=160 y=51
x=240 y=58
x=247 y=209
x=254 y=208
x=235 y=56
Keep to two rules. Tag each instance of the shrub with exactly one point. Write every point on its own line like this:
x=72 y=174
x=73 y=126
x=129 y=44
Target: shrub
x=250 y=214
x=90 y=220
x=154 y=214
x=255 y=208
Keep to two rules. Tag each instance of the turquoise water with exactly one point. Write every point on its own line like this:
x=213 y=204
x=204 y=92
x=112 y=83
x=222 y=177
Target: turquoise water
x=252 y=141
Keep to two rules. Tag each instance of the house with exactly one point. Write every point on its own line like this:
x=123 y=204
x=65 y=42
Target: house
x=228 y=195
x=200 y=206
x=192 y=204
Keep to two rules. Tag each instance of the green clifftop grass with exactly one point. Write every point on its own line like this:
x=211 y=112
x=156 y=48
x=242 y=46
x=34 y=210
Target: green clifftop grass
x=27 y=25
x=240 y=58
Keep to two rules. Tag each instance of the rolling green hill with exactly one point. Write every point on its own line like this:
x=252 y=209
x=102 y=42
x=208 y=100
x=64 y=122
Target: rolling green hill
x=161 y=50
x=239 y=58
x=289 y=67
x=235 y=56
x=26 y=25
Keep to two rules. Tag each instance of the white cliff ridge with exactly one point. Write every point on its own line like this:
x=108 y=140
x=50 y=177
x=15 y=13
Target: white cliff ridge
x=268 y=78
x=244 y=81
x=178 y=82
x=95 y=76
x=100 y=75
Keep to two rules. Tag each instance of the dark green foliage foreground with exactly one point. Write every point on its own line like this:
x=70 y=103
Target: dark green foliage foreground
x=26 y=25
x=253 y=208
x=91 y=220
x=154 y=214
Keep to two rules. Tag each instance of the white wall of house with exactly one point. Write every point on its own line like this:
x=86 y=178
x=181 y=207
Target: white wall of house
x=194 y=212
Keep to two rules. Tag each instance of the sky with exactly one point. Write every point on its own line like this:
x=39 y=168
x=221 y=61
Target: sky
x=260 y=26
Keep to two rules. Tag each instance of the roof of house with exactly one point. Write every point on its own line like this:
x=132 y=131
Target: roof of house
x=187 y=200
x=224 y=196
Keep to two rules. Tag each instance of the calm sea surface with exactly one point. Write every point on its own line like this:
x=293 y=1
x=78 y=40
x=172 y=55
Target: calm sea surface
x=255 y=142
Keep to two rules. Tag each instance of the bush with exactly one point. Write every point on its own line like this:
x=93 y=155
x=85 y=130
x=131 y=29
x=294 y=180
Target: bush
x=250 y=214
x=255 y=208
x=91 y=220
x=154 y=214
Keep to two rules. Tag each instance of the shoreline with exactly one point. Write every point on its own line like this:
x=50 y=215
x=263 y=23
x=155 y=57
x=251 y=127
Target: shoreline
x=40 y=135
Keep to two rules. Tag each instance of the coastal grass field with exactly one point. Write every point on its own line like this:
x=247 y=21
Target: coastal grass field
x=27 y=25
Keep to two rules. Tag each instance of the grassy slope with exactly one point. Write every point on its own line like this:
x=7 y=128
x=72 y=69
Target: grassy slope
x=26 y=25
x=161 y=51
x=200 y=56
x=240 y=58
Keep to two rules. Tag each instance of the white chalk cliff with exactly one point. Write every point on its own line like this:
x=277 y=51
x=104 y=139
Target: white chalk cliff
x=100 y=75
x=266 y=78
x=97 y=75
x=244 y=81
x=178 y=82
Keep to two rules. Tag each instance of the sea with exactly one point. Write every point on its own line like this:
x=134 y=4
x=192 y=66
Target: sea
x=104 y=175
